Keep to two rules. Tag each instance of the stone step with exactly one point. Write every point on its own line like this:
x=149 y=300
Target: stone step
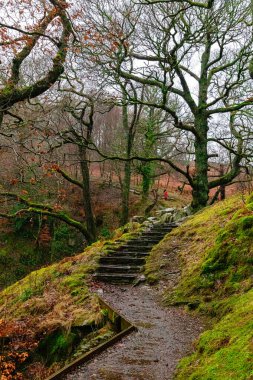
x=144 y=241
x=111 y=251
x=138 y=242
x=128 y=253
x=135 y=248
x=153 y=233
x=167 y=225
x=119 y=268
x=153 y=238
x=122 y=260
x=152 y=242
x=125 y=259
x=161 y=228
x=160 y=232
x=156 y=229
x=148 y=235
x=117 y=278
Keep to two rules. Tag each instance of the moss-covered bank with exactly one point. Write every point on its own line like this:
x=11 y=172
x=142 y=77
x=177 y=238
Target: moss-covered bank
x=45 y=317
x=215 y=253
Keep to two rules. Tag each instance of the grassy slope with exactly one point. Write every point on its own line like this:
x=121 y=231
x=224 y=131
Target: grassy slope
x=51 y=293
x=215 y=249
x=56 y=297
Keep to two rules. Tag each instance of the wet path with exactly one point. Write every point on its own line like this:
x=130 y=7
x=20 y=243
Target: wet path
x=164 y=336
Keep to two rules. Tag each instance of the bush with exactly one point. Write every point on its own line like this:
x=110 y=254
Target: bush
x=106 y=233
x=65 y=242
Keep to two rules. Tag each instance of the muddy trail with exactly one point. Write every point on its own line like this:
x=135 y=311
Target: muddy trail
x=164 y=336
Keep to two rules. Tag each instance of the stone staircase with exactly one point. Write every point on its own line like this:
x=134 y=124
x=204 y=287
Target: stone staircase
x=125 y=260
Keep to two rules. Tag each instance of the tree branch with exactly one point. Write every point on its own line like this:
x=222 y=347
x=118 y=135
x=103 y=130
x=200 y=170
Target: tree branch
x=68 y=178
x=145 y=159
x=207 y=5
x=46 y=210
x=12 y=94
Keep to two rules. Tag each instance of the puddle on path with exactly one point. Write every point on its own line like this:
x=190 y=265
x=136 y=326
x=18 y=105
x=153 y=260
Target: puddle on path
x=164 y=336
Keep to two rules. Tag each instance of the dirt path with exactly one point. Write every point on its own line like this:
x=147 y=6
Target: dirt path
x=151 y=353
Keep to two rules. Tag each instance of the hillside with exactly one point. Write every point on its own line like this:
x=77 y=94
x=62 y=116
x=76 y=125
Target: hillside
x=214 y=250
x=51 y=315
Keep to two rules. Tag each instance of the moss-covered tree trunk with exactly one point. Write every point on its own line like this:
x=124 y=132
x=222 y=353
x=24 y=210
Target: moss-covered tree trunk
x=148 y=168
x=200 y=189
x=147 y=171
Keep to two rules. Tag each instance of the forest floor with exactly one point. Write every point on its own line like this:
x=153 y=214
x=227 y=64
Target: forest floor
x=163 y=337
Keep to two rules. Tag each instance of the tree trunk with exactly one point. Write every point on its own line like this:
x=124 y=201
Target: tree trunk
x=200 y=189
x=147 y=180
x=90 y=221
x=127 y=167
x=125 y=193
x=147 y=169
x=222 y=192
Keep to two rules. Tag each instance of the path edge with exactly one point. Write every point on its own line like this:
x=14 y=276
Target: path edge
x=129 y=327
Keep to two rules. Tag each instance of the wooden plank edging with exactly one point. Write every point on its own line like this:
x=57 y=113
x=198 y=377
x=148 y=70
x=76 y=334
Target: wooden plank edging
x=97 y=350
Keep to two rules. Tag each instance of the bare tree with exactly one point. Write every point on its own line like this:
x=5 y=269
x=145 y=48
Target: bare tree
x=197 y=59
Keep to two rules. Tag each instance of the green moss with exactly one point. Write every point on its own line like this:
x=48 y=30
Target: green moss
x=92 y=340
x=215 y=252
x=57 y=346
x=74 y=281
x=28 y=293
x=223 y=268
x=152 y=278
x=249 y=199
x=155 y=261
x=232 y=252
x=246 y=223
x=225 y=352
